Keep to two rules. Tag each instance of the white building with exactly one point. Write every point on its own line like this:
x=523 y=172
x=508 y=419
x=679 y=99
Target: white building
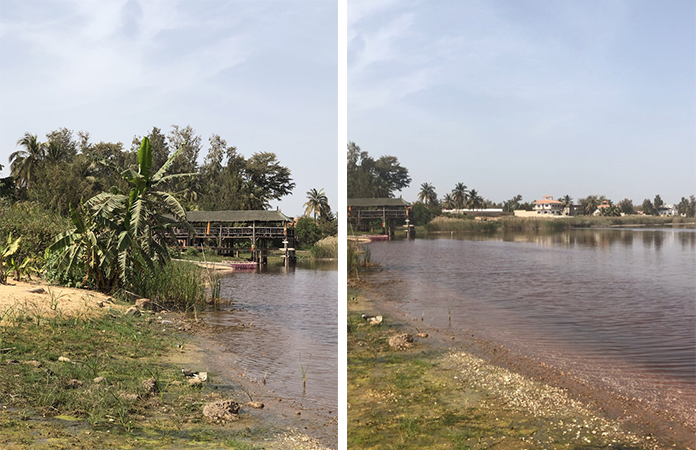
x=548 y=206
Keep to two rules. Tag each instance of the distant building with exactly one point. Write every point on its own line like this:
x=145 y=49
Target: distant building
x=601 y=207
x=573 y=210
x=473 y=211
x=548 y=206
x=667 y=210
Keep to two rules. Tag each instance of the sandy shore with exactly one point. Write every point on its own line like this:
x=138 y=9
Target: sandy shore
x=44 y=298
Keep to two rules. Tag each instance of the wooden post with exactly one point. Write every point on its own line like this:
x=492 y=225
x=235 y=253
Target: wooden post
x=220 y=240
x=253 y=241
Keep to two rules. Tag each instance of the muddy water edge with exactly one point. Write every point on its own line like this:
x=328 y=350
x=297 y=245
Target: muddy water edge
x=478 y=327
x=275 y=341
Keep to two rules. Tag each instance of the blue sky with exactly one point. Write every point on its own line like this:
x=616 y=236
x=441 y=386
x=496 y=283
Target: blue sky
x=261 y=74
x=528 y=97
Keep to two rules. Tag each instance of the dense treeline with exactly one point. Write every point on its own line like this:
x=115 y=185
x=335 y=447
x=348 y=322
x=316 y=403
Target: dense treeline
x=68 y=167
x=370 y=178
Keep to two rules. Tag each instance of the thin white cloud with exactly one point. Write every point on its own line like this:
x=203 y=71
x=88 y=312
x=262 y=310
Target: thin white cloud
x=93 y=58
x=381 y=45
x=391 y=90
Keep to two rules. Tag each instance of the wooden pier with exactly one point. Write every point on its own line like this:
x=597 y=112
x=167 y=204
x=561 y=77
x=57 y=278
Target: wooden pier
x=231 y=232
x=390 y=213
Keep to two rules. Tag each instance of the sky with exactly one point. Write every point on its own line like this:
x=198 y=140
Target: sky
x=261 y=74
x=528 y=97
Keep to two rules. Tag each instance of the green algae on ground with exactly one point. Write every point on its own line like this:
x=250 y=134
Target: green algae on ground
x=427 y=397
x=78 y=383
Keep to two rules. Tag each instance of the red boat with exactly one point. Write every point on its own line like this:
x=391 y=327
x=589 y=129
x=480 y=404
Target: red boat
x=242 y=265
x=377 y=237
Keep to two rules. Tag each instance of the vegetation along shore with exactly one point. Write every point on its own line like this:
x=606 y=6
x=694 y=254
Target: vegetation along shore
x=79 y=369
x=100 y=342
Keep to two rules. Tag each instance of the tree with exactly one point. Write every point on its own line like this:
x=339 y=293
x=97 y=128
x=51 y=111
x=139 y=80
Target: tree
x=316 y=203
x=567 y=200
x=610 y=211
x=421 y=214
x=120 y=232
x=512 y=204
x=590 y=203
x=392 y=176
x=24 y=163
x=264 y=171
x=189 y=145
x=447 y=202
x=649 y=208
x=475 y=201
x=307 y=232
x=230 y=181
x=658 y=203
x=62 y=185
x=427 y=194
x=55 y=152
x=460 y=196
x=687 y=207
x=61 y=145
x=368 y=178
x=626 y=206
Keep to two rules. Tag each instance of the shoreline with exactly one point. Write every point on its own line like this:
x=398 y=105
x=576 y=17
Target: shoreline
x=170 y=419
x=630 y=417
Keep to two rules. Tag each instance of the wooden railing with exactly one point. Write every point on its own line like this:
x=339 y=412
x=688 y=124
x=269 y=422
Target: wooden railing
x=378 y=214
x=235 y=232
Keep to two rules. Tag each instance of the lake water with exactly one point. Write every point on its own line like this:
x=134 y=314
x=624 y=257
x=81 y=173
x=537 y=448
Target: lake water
x=278 y=322
x=614 y=307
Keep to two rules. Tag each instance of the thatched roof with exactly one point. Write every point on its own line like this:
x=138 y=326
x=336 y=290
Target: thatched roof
x=236 y=216
x=377 y=202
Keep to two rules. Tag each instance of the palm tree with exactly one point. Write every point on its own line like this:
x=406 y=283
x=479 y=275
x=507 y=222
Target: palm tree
x=460 y=195
x=23 y=163
x=475 y=201
x=317 y=203
x=427 y=194
x=590 y=204
x=567 y=200
x=55 y=152
x=447 y=202
x=118 y=233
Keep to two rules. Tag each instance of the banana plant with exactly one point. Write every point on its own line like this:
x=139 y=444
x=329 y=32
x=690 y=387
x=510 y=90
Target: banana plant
x=6 y=251
x=125 y=231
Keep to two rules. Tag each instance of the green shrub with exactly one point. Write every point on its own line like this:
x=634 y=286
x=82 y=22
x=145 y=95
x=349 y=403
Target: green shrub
x=36 y=226
x=307 y=232
x=325 y=248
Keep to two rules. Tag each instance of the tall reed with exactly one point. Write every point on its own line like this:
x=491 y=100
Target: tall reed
x=325 y=248
x=178 y=284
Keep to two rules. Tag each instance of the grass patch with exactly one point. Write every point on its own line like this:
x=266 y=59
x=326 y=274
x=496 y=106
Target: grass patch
x=51 y=397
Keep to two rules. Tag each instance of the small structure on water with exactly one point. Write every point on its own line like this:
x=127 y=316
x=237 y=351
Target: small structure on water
x=366 y=213
x=232 y=232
